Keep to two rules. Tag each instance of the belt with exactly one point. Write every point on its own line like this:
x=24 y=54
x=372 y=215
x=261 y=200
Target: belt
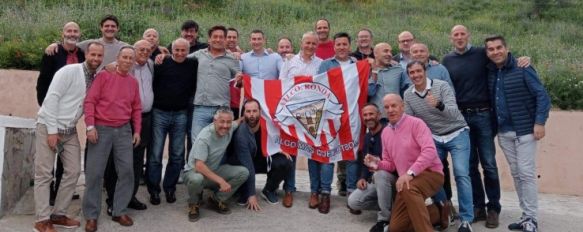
x=67 y=131
x=474 y=109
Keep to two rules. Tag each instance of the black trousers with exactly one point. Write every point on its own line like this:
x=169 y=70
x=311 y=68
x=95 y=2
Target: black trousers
x=280 y=166
x=110 y=176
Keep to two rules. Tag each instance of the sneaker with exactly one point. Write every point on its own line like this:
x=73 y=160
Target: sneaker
x=465 y=227
x=529 y=226
x=44 y=226
x=479 y=214
x=379 y=226
x=492 y=220
x=270 y=197
x=219 y=206
x=64 y=221
x=241 y=201
x=518 y=224
x=193 y=213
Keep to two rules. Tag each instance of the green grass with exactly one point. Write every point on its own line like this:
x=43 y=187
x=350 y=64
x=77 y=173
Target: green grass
x=551 y=35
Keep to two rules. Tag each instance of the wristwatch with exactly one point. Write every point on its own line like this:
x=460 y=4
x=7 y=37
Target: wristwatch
x=411 y=173
x=90 y=128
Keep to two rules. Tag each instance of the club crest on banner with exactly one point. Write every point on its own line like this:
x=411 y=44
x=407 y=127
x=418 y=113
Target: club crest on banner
x=308 y=106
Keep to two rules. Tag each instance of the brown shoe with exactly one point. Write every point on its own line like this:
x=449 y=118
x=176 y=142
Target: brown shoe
x=479 y=214
x=288 y=200
x=64 y=221
x=314 y=200
x=44 y=226
x=324 y=204
x=91 y=225
x=492 y=219
x=123 y=220
x=444 y=214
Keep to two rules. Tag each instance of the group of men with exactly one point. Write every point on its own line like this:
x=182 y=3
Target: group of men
x=418 y=111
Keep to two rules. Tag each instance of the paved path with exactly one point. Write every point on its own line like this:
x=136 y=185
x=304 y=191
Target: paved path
x=558 y=213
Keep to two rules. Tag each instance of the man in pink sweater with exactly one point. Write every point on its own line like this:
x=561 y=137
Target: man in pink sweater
x=408 y=149
x=113 y=101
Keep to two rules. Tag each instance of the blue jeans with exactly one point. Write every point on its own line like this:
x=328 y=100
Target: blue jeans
x=202 y=116
x=459 y=148
x=173 y=124
x=483 y=152
x=321 y=176
x=289 y=183
x=352 y=174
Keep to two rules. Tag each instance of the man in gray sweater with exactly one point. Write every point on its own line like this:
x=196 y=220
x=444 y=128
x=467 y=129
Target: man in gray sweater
x=433 y=101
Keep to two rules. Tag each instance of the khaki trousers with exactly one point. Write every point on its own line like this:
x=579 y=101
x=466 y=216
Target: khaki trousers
x=44 y=160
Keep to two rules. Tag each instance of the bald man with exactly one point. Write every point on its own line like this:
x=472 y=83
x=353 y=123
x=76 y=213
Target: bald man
x=69 y=53
x=420 y=52
x=174 y=85
x=386 y=77
x=415 y=160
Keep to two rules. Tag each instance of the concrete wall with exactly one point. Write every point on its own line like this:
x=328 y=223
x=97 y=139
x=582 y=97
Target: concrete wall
x=16 y=160
x=559 y=154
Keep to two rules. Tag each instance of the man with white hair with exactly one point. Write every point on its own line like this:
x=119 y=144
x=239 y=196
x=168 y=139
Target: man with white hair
x=305 y=63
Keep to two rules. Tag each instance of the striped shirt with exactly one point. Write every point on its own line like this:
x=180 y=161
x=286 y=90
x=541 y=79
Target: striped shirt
x=441 y=122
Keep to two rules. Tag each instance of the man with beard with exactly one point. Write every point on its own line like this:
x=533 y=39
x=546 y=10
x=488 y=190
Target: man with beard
x=245 y=150
x=109 y=26
x=56 y=129
x=374 y=189
x=112 y=102
x=189 y=31
x=325 y=47
x=284 y=47
x=233 y=47
x=69 y=54
x=204 y=168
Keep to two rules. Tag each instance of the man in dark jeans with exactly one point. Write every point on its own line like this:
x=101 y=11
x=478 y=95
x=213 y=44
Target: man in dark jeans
x=245 y=150
x=468 y=72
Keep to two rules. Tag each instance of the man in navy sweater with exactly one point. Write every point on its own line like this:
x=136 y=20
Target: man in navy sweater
x=521 y=106
x=174 y=85
x=468 y=72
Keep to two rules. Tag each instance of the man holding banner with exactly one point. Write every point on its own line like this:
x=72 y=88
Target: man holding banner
x=315 y=116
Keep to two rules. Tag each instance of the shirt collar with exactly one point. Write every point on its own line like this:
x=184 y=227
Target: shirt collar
x=427 y=87
x=301 y=57
x=263 y=53
x=467 y=49
x=396 y=124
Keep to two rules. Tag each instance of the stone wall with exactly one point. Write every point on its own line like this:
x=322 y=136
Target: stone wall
x=17 y=138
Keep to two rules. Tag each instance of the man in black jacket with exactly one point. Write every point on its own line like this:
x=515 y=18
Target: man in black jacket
x=68 y=53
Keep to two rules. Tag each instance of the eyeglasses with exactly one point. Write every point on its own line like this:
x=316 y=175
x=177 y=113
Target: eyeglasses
x=406 y=41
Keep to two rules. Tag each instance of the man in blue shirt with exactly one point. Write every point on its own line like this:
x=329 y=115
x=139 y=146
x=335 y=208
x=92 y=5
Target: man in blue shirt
x=521 y=108
x=258 y=63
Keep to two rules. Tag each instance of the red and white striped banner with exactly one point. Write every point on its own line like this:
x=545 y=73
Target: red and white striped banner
x=314 y=116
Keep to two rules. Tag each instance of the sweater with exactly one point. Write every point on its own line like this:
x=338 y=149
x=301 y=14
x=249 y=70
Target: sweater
x=63 y=104
x=469 y=75
x=409 y=146
x=441 y=122
x=113 y=100
x=174 y=84
x=48 y=68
